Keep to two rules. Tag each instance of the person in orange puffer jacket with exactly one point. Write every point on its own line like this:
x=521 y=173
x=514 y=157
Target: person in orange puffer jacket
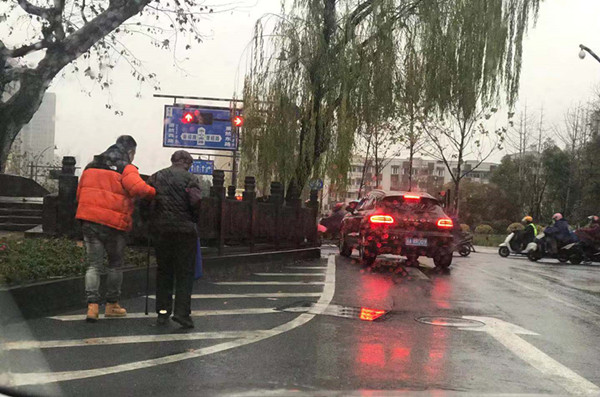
x=105 y=195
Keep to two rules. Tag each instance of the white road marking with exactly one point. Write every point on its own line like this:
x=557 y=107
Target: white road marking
x=416 y=273
x=117 y=340
x=306 y=267
x=258 y=295
x=506 y=334
x=195 y=313
x=22 y=379
x=270 y=283
x=290 y=274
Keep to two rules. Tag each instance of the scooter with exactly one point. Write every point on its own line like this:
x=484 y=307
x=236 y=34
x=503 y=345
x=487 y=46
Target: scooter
x=511 y=245
x=536 y=250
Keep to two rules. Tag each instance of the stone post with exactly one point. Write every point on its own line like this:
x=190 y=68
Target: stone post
x=218 y=188
x=67 y=198
x=231 y=192
x=249 y=188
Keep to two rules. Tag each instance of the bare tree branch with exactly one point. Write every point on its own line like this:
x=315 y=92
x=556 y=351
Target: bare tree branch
x=34 y=10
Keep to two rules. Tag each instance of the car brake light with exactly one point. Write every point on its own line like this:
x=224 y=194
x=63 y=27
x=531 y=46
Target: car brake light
x=381 y=219
x=370 y=314
x=445 y=223
x=411 y=197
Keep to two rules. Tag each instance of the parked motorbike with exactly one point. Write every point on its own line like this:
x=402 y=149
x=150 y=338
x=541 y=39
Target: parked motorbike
x=464 y=244
x=537 y=250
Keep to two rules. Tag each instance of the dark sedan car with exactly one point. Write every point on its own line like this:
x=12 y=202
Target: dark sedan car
x=399 y=223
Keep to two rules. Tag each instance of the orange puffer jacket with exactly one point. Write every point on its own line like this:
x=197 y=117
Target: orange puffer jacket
x=106 y=196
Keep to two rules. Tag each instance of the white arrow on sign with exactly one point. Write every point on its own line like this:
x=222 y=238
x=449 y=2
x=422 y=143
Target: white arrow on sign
x=507 y=334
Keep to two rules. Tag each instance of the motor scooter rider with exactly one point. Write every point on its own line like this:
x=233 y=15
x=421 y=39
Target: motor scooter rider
x=333 y=222
x=529 y=233
x=590 y=235
x=558 y=234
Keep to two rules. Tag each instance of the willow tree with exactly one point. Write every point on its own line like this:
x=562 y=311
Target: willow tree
x=329 y=66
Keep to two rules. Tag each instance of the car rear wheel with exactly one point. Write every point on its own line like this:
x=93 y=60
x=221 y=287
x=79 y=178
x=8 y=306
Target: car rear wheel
x=345 y=249
x=503 y=252
x=443 y=260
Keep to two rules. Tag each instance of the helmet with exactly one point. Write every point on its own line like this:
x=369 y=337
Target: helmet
x=558 y=216
x=594 y=219
x=527 y=219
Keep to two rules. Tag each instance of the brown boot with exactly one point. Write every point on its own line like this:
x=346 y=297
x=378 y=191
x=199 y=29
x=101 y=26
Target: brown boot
x=114 y=310
x=92 y=313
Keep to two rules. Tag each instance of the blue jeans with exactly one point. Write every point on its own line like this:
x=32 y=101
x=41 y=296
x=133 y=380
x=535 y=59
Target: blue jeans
x=98 y=240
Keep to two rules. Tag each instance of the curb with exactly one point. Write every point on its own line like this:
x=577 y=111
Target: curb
x=49 y=298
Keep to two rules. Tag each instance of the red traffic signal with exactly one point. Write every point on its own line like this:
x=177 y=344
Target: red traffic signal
x=238 y=121
x=188 y=117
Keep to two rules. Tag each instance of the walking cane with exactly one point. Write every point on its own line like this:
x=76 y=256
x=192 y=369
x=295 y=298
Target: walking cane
x=147 y=274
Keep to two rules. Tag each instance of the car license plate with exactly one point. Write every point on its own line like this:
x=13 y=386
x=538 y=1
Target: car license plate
x=416 y=242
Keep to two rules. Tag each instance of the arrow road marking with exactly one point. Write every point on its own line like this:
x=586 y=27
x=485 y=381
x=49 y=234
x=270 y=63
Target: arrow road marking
x=507 y=334
x=22 y=379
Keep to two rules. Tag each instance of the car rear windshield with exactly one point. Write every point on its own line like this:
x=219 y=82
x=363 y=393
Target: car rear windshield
x=399 y=203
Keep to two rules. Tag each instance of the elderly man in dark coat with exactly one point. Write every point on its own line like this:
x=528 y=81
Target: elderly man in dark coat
x=173 y=229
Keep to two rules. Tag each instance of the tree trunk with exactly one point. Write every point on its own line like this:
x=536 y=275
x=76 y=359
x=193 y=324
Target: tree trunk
x=18 y=111
x=410 y=166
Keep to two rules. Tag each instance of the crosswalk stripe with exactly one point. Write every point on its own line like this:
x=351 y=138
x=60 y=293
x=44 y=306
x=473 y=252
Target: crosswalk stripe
x=258 y=295
x=416 y=273
x=27 y=378
x=195 y=313
x=117 y=340
x=290 y=274
x=270 y=283
x=306 y=267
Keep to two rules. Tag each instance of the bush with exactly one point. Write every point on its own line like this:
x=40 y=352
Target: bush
x=465 y=228
x=513 y=227
x=27 y=260
x=500 y=226
x=484 y=229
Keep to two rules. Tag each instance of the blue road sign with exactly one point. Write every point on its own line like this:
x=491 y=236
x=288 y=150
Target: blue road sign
x=196 y=127
x=316 y=184
x=202 y=167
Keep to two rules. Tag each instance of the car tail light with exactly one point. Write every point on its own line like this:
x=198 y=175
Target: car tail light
x=411 y=197
x=445 y=223
x=381 y=219
x=370 y=314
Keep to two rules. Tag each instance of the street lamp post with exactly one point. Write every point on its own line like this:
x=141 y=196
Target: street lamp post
x=584 y=49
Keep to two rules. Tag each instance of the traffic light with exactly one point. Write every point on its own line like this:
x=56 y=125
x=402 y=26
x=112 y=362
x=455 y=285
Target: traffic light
x=238 y=121
x=197 y=117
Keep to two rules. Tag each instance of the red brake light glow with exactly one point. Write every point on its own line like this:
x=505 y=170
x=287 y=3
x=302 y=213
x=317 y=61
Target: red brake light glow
x=381 y=219
x=445 y=223
x=411 y=197
x=370 y=314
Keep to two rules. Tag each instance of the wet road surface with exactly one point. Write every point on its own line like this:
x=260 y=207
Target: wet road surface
x=489 y=326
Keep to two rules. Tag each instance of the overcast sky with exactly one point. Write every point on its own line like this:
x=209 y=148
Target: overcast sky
x=552 y=76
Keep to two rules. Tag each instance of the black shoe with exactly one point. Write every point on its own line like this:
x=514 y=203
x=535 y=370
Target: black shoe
x=163 y=319
x=185 y=321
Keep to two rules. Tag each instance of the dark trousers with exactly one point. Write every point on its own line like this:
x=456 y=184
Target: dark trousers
x=176 y=257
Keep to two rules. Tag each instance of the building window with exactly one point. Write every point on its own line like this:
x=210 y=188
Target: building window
x=395 y=169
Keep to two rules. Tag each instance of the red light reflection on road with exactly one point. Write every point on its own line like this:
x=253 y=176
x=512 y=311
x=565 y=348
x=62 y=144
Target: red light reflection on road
x=441 y=293
x=370 y=314
x=371 y=354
